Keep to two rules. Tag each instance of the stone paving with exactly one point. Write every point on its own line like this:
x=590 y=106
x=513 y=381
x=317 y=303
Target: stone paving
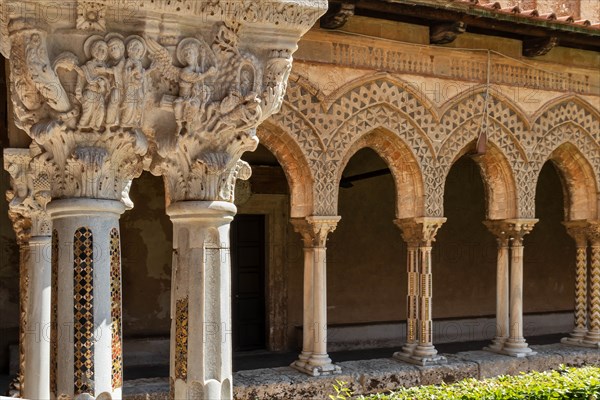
x=379 y=375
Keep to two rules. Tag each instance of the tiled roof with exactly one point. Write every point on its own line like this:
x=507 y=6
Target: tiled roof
x=516 y=11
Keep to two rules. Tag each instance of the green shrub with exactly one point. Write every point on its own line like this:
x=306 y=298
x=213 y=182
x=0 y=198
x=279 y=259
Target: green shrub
x=565 y=383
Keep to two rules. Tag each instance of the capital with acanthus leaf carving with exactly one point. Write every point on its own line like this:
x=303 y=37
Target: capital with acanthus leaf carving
x=178 y=88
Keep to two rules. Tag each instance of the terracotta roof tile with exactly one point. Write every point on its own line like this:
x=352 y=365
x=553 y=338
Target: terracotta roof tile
x=531 y=14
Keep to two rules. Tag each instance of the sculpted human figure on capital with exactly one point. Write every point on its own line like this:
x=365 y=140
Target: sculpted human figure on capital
x=93 y=84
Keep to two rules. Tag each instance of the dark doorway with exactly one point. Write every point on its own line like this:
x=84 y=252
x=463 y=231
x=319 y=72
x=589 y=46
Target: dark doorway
x=248 y=282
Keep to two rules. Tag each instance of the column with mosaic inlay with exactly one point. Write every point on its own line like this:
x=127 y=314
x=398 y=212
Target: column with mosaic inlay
x=578 y=230
x=27 y=202
x=412 y=299
x=592 y=337
x=422 y=231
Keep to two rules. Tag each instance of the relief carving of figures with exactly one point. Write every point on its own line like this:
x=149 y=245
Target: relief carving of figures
x=94 y=84
x=37 y=93
x=194 y=93
x=111 y=85
x=116 y=50
x=132 y=110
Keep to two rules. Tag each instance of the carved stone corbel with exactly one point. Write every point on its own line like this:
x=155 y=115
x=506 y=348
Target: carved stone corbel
x=447 y=32
x=539 y=46
x=338 y=15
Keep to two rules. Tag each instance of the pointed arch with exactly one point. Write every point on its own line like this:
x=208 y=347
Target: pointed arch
x=403 y=165
x=295 y=166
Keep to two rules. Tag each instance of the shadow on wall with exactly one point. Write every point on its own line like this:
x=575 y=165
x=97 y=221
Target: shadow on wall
x=549 y=258
x=147 y=242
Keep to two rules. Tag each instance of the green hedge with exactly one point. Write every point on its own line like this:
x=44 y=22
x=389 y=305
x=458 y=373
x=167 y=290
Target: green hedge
x=565 y=383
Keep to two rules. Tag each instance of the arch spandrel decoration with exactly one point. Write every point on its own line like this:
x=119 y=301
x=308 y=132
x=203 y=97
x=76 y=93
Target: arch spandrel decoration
x=471 y=105
x=326 y=128
x=567 y=120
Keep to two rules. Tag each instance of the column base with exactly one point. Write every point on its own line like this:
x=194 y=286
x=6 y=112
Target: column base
x=407 y=351
x=517 y=348
x=592 y=339
x=497 y=344
x=580 y=342
x=313 y=370
x=420 y=360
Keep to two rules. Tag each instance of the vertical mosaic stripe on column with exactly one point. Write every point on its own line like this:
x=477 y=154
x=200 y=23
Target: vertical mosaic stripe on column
x=83 y=328
x=181 y=338
x=581 y=289
x=54 y=313
x=115 y=294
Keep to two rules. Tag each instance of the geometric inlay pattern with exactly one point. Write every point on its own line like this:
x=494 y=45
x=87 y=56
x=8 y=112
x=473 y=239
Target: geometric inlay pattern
x=115 y=295
x=83 y=302
x=54 y=313
x=326 y=128
x=181 y=339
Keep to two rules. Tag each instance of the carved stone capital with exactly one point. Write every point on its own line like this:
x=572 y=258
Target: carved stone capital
x=28 y=196
x=176 y=87
x=593 y=233
x=511 y=229
x=419 y=231
x=578 y=230
x=314 y=229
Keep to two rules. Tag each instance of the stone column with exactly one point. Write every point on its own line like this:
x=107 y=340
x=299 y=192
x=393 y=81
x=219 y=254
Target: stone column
x=578 y=231
x=420 y=232
x=319 y=362
x=308 y=336
x=87 y=346
x=201 y=362
x=314 y=359
x=82 y=166
x=512 y=230
x=502 y=284
x=28 y=198
x=592 y=338
x=88 y=98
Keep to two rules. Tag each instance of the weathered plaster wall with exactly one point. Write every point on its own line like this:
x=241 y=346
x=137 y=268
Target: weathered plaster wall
x=464 y=254
x=366 y=254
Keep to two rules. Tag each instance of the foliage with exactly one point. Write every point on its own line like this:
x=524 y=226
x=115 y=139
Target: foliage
x=564 y=383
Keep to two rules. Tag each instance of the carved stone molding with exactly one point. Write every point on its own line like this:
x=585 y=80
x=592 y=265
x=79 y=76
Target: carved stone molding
x=28 y=196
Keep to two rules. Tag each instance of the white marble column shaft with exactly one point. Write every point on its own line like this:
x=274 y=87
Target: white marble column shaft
x=86 y=355
x=201 y=332
x=314 y=359
x=37 y=331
